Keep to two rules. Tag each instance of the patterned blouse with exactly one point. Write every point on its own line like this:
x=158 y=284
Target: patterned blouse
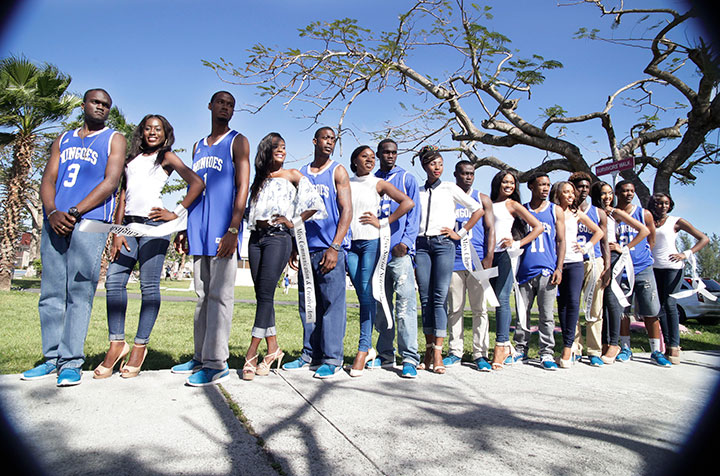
x=278 y=196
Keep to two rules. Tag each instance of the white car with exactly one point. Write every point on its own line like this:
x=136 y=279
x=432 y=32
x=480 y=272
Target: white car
x=697 y=307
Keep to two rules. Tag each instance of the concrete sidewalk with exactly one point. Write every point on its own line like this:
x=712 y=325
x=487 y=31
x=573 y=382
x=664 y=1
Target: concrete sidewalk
x=621 y=419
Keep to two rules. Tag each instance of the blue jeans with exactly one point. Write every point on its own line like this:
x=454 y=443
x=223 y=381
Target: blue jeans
x=67 y=289
x=668 y=282
x=150 y=253
x=435 y=259
x=399 y=280
x=502 y=285
x=323 y=340
x=569 y=300
x=361 y=261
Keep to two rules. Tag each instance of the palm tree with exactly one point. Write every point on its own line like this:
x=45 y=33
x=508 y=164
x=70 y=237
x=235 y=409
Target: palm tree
x=32 y=99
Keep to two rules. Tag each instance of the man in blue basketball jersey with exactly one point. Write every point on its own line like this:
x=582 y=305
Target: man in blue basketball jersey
x=400 y=277
x=540 y=272
x=482 y=238
x=214 y=231
x=327 y=242
x=79 y=182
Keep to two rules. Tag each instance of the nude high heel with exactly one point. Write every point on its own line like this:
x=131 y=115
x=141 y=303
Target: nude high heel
x=266 y=364
x=127 y=371
x=249 y=369
x=104 y=372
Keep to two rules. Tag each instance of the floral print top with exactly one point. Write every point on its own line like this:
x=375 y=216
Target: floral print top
x=279 y=196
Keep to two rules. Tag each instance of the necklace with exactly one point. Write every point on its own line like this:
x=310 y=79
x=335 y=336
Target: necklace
x=82 y=140
x=661 y=221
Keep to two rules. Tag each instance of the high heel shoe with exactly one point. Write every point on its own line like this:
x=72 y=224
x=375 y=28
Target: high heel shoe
x=104 y=372
x=266 y=364
x=438 y=368
x=609 y=359
x=127 y=371
x=422 y=365
x=249 y=369
x=566 y=364
x=371 y=355
x=498 y=364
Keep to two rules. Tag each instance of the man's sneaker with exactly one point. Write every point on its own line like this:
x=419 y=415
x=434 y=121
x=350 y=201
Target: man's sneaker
x=596 y=361
x=43 y=370
x=483 y=365
x=624 y=355
x=548 y=363
x=380 y=362
x=299 y=364
x=409 y=370
x=516 y=358
x=658 y=358
x=452 y=360
x=189 y=367
x=205 y=377
x=577 y=358
x=327 y=371
x=69 y=377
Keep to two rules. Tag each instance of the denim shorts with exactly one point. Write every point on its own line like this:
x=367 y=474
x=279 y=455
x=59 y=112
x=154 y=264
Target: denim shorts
x=647 y=302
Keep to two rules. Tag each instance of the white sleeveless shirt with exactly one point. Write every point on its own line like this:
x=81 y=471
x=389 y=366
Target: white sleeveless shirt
x=365 y=198
x=571 y=231
x=503 y=224
x=665 y=237
x=145 y=181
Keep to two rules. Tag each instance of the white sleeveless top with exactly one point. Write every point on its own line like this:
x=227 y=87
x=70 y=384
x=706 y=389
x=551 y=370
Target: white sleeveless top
x=571 y=231
x=503 y=223
x=365 y=198
x=145 y=181
x=611 y=237
x=665 y=237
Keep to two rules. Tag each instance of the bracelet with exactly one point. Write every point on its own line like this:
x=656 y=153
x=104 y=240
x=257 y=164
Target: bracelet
x=50 y=214
x=687 y=253
x=179 y=209
x=462 y=232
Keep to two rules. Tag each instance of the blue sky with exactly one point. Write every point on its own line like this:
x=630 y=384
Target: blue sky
x=148 y=54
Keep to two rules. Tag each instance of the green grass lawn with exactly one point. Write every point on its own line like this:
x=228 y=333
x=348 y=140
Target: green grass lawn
x=172 y=340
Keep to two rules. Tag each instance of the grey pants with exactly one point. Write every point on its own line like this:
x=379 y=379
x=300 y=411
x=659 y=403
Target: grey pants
x=215 y=287
x=538 y=287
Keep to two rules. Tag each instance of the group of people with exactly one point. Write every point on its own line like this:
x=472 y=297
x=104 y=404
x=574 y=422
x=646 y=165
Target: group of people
x=380 y=227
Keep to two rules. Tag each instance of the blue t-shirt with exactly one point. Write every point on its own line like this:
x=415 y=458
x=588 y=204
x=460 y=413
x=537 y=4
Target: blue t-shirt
x=405 y=229
x=641 y=255
x=540 y=255
x=209 y=216
x=321 y=233
x=477 y=234
x=82 y=168
x=584 y=234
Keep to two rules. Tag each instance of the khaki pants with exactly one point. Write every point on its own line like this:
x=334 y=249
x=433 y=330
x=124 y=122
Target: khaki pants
x=593 y=329
x=460 y=283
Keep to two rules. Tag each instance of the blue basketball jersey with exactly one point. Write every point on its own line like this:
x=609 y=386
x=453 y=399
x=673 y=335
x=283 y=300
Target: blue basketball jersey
x=477 y=234
x=540 y=255
x=584 y=234
x=320 y=233
x=81 y=169
x=209 y=216
x=405 y=229
x=641 y=255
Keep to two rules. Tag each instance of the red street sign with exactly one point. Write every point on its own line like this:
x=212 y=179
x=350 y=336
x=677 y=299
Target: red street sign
x=618 y=166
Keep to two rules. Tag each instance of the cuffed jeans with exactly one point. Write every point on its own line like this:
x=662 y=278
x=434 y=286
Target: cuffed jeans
x=668 y=282
x=150 y=253
x=435 y=258
x=323 y=339
x=538 y=287
x=460 y=283
x=569 y=300
x=72 y=269
x=399 y=280
x=502 y=285
x=361 y=261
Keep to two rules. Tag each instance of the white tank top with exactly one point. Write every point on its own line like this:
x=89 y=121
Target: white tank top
x=571 y=231
x=611 y=238
x=145 y=182
x=665 y=237
x=503 y=223
x=364 y=199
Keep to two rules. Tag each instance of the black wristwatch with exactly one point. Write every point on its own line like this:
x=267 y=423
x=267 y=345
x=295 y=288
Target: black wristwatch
x=75 y=213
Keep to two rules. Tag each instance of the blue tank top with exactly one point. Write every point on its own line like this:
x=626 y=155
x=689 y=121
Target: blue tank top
x=320 y=233
x=641 y=255
x=209 y=216
x=584 y=234
x=477 y=234
x=81 y=169
x=540 y=255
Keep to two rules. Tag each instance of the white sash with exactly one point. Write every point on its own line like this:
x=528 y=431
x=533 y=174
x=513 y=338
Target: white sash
x=378 y=277
x=698 y=286
x=481 y=275
x=624 y=262
x=137 y=229
x=514 y=253
x=306 y=266
x=590 y=287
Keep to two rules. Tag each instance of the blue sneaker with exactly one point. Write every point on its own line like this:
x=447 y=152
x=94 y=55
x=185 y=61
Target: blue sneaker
x=596 y=361
x=43 y=370
x=624 y=355
x=451 y=360
x=69 y=377
x=548 y=363
x=298 y=364
x=409 y=370
x=516 y=358
x=658 y=358
x=189 y=367
x=205 y=377
x=326 y=371
x=380 y=362
x=483 y=365
x=577 y=358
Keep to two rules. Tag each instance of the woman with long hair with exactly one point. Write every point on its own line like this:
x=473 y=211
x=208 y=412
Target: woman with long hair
x=149 y=164
x=435 y=255
x=669 y=265
x=573 y=270
x=510 y=236
x=362 y=257
x=277 y=196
